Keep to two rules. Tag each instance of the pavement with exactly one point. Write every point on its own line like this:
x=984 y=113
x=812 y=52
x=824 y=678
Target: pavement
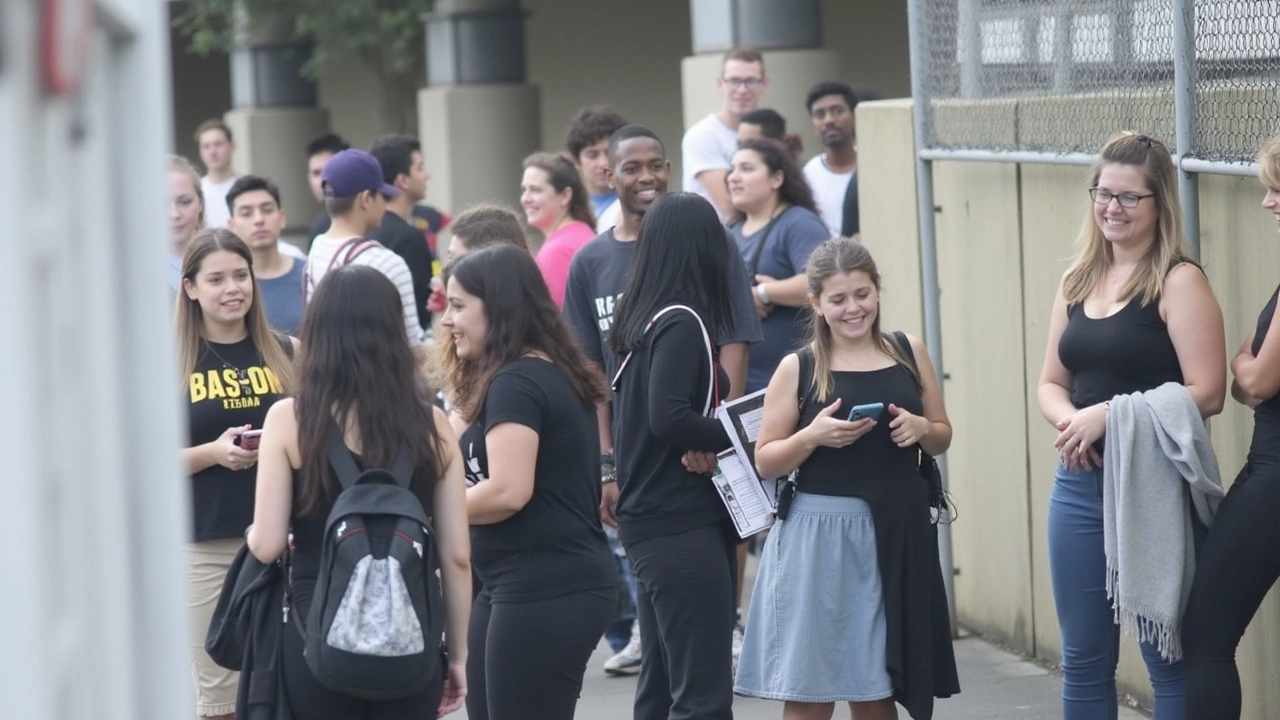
x=995 y=685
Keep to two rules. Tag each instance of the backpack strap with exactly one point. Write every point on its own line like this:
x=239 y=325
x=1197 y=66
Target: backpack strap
x=347 y=251
x=713 y=386
x=344 y=465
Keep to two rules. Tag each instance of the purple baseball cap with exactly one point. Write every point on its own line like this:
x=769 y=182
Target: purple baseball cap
x=352 y=172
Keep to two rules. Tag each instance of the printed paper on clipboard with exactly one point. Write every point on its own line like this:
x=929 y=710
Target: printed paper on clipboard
x=741 y=420
x=742 y=494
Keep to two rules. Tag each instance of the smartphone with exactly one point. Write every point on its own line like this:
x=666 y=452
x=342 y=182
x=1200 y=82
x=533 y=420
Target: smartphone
x=871 y=410
x=249 y=439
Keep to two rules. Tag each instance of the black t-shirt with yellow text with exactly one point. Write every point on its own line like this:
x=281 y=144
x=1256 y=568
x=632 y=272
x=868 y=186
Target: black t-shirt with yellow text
x=231 y=386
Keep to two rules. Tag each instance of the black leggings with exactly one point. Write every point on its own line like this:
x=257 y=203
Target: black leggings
x=1238 y=564
x=313 y=701
x=684 y=593
x=528 y=658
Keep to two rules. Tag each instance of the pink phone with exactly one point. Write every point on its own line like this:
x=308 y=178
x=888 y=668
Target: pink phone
x=249 y=439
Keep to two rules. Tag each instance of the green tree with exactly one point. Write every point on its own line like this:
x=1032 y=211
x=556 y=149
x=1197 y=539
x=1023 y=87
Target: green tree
x=384 y=36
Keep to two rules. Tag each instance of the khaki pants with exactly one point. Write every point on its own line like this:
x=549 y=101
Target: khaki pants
x=207 y=565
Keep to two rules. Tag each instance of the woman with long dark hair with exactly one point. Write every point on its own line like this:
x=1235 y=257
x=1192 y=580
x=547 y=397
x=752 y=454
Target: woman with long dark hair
x=233 y=368
x=671 y=520
x=527 y=397
x=357 y=377
x=776 y=227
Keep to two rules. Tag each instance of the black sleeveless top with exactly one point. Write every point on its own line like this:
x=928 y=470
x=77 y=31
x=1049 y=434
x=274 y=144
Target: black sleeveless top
x=1266 y=417
x=840 y=471
x=1124 y=353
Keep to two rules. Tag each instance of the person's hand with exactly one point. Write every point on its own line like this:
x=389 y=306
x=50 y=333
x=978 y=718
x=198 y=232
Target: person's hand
x=828 y=431
x=762 y=310
x=608 y=504
x=907 y=429
x=701 y=463
x=1077 y=435
x=455 y=688
x=229 y=454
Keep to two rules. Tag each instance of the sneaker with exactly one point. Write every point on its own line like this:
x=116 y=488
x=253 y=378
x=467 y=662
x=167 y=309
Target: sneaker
x=627 y=661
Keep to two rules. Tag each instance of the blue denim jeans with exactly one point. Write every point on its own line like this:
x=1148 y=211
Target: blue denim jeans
x=1090 y=635
x=618 y=632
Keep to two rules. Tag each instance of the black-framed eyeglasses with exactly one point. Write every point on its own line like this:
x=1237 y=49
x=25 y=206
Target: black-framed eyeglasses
x=1102 y=196
x=749 y=83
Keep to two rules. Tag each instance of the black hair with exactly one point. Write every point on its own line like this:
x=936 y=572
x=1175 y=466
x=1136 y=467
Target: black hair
x=682 y=257
x=830 y=87
x=591 y=125
x=249 y=183
x=630 y=132
x=772 y=125
x=395 y=154
x=331 y=143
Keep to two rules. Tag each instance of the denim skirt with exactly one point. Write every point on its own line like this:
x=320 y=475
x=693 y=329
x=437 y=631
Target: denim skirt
x=816 y=625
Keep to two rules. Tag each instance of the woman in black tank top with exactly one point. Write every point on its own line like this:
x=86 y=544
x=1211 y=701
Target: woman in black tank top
x=857 y=537
x=1240 y=560
x=358 y=376
x=1132 y=313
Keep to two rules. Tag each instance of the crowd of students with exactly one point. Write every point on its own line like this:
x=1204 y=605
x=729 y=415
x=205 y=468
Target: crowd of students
x=554 y=414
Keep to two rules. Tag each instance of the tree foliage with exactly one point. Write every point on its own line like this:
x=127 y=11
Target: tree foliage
x=385 y=36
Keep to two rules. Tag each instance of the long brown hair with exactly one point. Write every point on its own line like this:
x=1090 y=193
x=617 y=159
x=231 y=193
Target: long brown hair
x=522 y=318
x=841 y=256
x=778 y=159
x=189 y=322
x=1095 y=254
x=356 y=371
x=562 y=173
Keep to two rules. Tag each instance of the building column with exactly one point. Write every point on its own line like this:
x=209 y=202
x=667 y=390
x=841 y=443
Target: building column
x=788 y=32
x=478 y=117
x=274 y=114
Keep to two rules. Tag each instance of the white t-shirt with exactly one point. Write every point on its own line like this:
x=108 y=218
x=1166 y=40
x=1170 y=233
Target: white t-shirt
x=216 y=213
x=707 y=145
x=828 y=191
x=609 y=216
x=379 y=258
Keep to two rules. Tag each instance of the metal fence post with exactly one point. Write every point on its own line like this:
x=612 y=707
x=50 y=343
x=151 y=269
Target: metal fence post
x=929 y=249
x=1184 y=113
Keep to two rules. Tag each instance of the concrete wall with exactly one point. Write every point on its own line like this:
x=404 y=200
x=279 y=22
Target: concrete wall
x=1005 y=235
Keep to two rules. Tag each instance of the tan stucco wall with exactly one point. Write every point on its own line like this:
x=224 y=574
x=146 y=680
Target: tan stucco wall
x=1005 y=235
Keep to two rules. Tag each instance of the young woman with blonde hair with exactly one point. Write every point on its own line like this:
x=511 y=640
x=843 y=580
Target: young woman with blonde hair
x=1132 y=313
x=233 y=369
x=849 y=604
x=1240 y=559
x=186 y=213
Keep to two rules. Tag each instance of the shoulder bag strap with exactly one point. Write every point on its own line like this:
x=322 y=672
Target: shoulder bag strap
x=753 y=265
x=713 y=386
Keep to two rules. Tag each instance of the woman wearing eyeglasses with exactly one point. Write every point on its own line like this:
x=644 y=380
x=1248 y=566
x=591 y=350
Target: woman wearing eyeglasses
x=1132 y=313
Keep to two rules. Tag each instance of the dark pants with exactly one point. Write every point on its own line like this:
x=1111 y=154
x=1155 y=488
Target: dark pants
x=1238 y=564
x=528 y=658
x=313 y=701
x=685 y=606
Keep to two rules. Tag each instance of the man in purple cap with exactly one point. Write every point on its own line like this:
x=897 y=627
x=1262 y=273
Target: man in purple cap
x=356 y=198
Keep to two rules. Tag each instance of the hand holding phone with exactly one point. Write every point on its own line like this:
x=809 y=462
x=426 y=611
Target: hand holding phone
x=869 y=411
x=249 y=439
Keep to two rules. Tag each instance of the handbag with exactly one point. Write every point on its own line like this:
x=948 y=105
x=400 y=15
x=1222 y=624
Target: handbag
x=942 y=509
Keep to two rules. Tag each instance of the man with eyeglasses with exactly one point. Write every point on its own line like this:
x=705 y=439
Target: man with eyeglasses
x=709 y=144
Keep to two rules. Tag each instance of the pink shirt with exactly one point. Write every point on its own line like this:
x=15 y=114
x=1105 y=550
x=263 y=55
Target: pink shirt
x=556 y=254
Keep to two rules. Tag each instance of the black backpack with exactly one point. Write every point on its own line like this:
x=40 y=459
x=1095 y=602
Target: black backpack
x=376 y=625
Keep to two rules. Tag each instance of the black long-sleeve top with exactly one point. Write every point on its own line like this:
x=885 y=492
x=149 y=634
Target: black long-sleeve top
x=657 y=417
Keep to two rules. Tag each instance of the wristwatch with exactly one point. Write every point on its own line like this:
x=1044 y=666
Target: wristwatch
x=608 y=471
x=763 y=293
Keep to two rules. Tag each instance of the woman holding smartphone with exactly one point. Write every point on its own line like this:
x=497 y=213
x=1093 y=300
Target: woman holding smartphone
x=233 y=368
x=851 y=605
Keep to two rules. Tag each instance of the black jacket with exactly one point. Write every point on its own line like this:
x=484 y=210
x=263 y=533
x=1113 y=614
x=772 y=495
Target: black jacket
x=245 y=635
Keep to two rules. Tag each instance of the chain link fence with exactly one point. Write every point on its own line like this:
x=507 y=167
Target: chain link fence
x=1061 y=76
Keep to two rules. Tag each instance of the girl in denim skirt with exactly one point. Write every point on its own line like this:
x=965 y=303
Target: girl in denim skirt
x=849 y=604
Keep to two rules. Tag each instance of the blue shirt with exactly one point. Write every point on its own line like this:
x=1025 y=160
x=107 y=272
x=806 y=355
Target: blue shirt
x=282 y=299
x=600 y=202
x=792 y=239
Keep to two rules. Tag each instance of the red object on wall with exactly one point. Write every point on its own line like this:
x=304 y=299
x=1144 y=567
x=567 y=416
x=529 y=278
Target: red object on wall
x=66 y=28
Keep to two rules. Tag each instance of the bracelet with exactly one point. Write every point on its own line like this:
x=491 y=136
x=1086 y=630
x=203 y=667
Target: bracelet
x=763 y=293
x=608 y=471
